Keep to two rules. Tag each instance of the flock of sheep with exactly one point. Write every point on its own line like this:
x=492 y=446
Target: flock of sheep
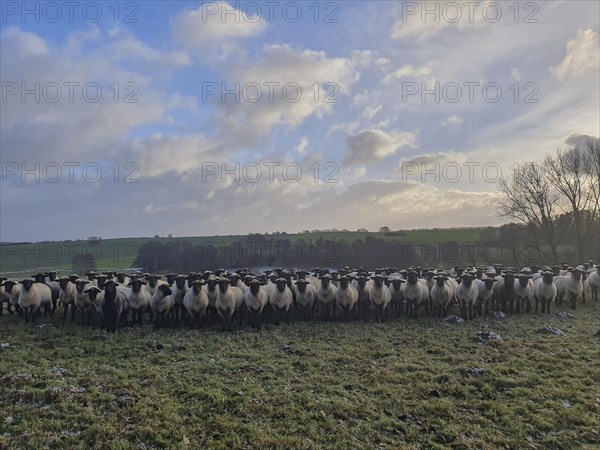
x=198 y=298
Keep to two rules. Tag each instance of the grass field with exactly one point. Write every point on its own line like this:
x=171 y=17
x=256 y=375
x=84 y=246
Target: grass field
x=404 y=384
x=120 y=253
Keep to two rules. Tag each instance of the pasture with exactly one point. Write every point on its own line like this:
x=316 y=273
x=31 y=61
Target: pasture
x=402 y=384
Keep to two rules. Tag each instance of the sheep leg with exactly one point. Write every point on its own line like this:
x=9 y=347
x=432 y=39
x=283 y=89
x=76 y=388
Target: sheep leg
x=66 y=308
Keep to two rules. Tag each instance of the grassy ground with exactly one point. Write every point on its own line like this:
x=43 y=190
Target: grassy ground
x=120 y=253
x=404 y=384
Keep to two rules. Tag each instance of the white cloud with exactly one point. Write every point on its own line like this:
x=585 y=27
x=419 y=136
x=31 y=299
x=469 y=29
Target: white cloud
x=371 y=111
x=582 y=56
x=214 y=22
x=452 y=120
x=370 y=146
x=407 y=71
x=302 y=145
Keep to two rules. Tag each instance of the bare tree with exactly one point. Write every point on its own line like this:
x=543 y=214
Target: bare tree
x=569 y=173
x=530 y=198
x=593 y=168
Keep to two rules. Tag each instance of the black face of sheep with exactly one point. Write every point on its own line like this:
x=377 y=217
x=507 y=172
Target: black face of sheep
x=344 y=282
x=8 y=286
x=153 y=280
x=90 y=275
x=412 y=277
x=281 y=284
x=136 y=285
x=180 y=281
x=234 y=278
x=439 y=280
x=27 y=284
x=164 y=289
x=39 y=278
x=301 y=285
x=197 y=286
x=51 y=275
x=325 y=280
x=362 y=281
x=254 y=286
x=467 y=279
x=212 y=284
x=171 y=278
x=92 y=292
x=223 y=285
x=576 y=274
x=547 y=277
x=489 y=283
x=378 y=280
x=80 y=285
x=101 y=280
x=63 y=282
x=397 y=283
x=524 y=280
x=120 y=277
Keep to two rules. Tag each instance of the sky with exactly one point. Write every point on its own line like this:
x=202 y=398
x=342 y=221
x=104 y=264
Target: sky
x=152 y=118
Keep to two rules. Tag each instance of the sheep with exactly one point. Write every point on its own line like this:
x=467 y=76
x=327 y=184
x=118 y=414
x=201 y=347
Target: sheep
x=161 y=303
x=122 y=279
x=363 y=287
x=281 y=299
x=179 y=289
x=397 y=293
x=415 y=294
x=593 y=282
x=4 y=297
x=379 y=296
x=82 y=301
x=12 y=290
x=95 y=296
x=467 y=293
x=67 y=295
x=32 y=297
x=211 y=292
x=504 y=292
x=485 y=291
x=112 y=306
x=139 y=299
x=226 y=303
x=326 y=296
x=346 y=296
x=305 y=298
x=441 y=295
x=570 y=285
x=255 y=299
x=153 y=282
x=544 y=291
x=523 y=291
x=195 y=302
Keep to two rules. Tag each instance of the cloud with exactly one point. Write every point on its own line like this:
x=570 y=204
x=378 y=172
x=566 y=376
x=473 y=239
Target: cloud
x=407 y=71
x=582 y=56
x=452 y=120
x=371 y=111
x=302 y=145
x=214 y=22
x=369 y=146
x=579 y=140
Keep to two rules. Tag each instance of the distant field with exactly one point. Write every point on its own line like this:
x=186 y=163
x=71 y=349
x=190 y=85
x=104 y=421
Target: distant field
x=404 y=384
x=120 y=253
